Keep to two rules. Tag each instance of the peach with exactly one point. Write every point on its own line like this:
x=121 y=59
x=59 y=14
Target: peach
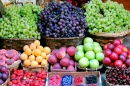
x=60 y=54
x=63 y=49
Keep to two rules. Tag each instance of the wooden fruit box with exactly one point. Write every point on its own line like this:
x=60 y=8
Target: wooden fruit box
x=35 y=69
x=73 y=74
x=62 y=70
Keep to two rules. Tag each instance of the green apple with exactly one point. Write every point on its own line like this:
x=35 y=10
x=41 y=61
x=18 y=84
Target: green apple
x=88 y=40
x=96 y=44
x=90 y=55
x=79 y=48
x=88 y=47
x=93 y=63
x=84 y=62
x=78 y=55
x=97 y=49
x=99 y=56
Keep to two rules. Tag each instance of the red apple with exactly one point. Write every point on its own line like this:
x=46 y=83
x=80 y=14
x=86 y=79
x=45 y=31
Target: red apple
x=114 y=56
x=118 y=63
x=105 y=46
x=116 y=42
x=110 y=46
x=128 y=52
x=120 y=46
x=125 y=49
x=107 y=52
x=124 y=53
x=128 y=56
x=122 y=58
x=127 y=62
x=107 y=61
x=117 y=50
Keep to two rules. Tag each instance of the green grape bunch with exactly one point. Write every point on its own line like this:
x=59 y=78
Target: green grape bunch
x=109 y=17
x=20 y=22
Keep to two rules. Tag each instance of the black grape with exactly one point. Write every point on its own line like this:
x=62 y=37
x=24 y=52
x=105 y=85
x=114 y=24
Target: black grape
x=61 y=20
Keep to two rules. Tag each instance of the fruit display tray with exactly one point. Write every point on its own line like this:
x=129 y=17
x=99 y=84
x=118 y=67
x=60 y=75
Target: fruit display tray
x=73 y=74
x=62 y=70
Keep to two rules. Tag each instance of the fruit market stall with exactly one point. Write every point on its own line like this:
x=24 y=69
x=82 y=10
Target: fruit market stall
x=65 y=43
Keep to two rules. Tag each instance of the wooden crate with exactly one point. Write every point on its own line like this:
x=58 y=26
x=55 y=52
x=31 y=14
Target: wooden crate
x=83 y=74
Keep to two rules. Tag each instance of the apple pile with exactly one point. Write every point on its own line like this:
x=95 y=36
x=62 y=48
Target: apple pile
x=4 y=74
x=25 y=78
x=8 y=57
x=35 y=55
x=62 y=58
x=116 y=55
x=89 y=54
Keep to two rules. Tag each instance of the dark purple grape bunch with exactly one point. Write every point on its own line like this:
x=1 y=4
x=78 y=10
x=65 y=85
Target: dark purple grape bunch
x=61 y=20
x=118 y=76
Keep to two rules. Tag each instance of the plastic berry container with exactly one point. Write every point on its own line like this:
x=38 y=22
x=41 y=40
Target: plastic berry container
x=91 y=80
x=66 y=80
x=78 y=80
x=54 y=80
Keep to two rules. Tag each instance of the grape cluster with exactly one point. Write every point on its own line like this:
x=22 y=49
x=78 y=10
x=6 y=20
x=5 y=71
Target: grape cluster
x=109 y=17
x=20 y=22
x=61 y=20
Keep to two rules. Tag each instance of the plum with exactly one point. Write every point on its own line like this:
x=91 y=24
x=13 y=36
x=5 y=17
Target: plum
x=10 y=61
x=1 y=57
x=3 y=51
x=0 y=75
x=2 y=62
x=16 y=57
x=9 y=54
x=3 y=69
x=4 y=76
x=1 y=81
